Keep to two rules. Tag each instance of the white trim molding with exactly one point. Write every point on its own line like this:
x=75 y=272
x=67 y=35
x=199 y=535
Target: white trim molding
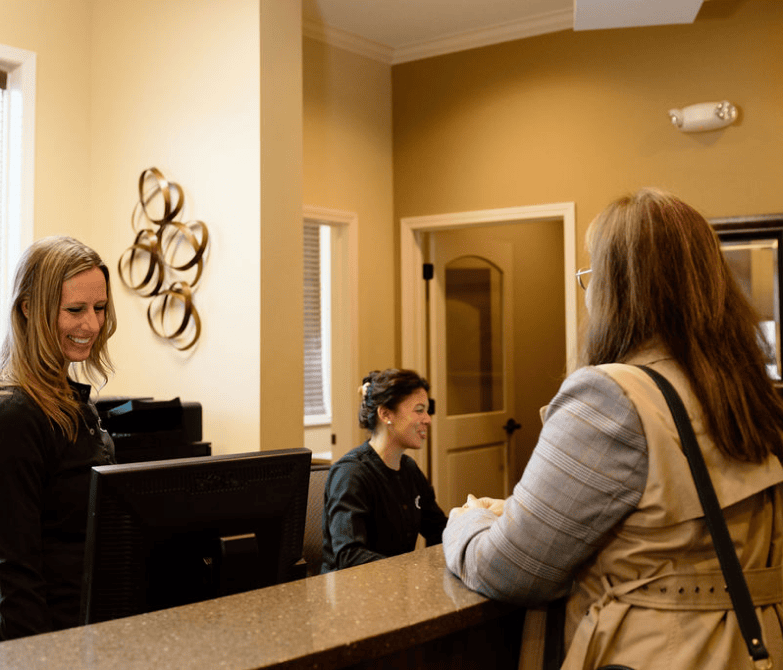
x=345 y=298
x=540 y=24
x=344 y=40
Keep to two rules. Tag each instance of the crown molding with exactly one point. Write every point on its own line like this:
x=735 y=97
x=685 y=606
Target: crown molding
x=540 y=24
x=348 y=41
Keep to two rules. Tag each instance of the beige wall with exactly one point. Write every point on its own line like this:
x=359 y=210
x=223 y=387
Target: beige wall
x=175 y=85
x=59 y=34
x=281 y=386
x=582 y=117
x=348 y=166
x=128 y=84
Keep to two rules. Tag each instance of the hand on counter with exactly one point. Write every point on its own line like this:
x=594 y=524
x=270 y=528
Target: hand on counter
x=494 y=505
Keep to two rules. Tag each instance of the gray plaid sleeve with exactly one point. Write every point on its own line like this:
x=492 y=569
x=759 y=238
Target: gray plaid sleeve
x=587 y=472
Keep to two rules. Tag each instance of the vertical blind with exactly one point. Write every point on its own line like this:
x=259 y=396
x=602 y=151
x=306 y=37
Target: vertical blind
x=314 y=396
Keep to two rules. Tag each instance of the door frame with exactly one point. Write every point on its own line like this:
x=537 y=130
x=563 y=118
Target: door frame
x=345 y=298
x=412 y=303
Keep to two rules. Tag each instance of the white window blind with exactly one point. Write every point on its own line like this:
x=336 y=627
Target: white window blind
x=317 y=326
x=3 y=190
x=3 y=154
x=17 y=164
x=3 y=157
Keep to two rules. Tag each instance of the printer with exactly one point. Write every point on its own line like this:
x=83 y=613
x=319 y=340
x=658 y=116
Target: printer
x=145 y=429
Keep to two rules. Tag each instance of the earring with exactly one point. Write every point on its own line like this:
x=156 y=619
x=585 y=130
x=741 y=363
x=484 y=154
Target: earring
x=389 y=422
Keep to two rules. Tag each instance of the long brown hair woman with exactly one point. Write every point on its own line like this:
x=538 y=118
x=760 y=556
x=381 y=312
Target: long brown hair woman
x=606 y=513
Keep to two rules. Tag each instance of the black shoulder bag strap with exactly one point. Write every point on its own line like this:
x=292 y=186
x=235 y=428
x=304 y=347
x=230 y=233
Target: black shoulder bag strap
x=724 y=547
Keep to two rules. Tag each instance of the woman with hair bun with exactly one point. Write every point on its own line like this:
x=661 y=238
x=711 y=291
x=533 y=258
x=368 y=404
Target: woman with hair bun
x=377 y=500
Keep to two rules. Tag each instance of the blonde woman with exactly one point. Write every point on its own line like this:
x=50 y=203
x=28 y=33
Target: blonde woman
x=61 y=318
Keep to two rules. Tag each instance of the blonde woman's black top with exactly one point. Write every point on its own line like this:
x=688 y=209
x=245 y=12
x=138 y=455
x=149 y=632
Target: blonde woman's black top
x=44 y=489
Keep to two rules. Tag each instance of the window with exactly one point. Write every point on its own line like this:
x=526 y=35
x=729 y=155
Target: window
x=17 y=145
x=317 y=324
x=332 y=289
x=3 y=150
x=6 y=279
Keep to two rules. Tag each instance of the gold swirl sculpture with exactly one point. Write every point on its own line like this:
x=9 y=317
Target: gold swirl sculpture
x=163 y=250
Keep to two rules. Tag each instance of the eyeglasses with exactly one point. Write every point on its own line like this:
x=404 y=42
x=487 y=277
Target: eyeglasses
x=582 y=278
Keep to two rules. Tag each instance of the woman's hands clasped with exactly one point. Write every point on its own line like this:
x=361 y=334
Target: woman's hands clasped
x=494 y=505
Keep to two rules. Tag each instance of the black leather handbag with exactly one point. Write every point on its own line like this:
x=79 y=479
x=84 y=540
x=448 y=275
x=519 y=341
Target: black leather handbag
x=724 y=548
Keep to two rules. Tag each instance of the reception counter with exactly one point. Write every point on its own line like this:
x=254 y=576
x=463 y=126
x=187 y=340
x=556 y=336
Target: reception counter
x=403 y=612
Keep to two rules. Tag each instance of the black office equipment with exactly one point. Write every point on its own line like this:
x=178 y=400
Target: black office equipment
x=145 y=429
x=169 y=533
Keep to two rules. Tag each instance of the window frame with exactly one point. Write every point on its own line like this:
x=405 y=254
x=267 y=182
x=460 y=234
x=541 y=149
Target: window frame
x=324 y=295
x=345 y=336
x=16 y=219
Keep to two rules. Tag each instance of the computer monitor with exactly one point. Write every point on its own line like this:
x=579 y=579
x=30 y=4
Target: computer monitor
x=167 y=533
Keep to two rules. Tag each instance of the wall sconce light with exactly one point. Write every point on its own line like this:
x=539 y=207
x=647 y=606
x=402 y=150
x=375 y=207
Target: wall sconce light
x=703 y=116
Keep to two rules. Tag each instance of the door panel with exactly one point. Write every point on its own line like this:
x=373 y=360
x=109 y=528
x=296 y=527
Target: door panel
x=471 y=364
x=478 y=471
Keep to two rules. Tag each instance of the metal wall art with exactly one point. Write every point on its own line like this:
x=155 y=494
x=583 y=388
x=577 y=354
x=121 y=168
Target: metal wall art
x=166 y=260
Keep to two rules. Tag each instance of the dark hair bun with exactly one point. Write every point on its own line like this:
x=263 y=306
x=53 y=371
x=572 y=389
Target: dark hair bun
x=387 y=388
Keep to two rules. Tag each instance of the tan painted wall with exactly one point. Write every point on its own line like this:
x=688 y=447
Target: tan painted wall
x=59 y=34
x=582 y=117
x=281 y=385
x=348 y=166
x=129 y=84
x=175 y=85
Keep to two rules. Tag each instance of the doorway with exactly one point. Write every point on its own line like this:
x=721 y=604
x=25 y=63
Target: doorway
x=471 y=363
x=421 y=345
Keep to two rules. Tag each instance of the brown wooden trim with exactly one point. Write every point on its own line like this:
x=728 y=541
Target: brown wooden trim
x=747 y=223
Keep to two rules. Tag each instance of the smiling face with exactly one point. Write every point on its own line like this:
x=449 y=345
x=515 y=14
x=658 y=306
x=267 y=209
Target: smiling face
x=82 y=313
x=410 y=422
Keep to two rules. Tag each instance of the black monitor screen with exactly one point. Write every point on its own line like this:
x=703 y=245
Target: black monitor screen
x=167 y=533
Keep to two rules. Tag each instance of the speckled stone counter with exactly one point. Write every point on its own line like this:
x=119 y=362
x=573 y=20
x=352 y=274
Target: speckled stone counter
x=406 y=611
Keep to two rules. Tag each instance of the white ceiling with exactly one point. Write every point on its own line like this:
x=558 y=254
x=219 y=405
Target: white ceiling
x=402 y=30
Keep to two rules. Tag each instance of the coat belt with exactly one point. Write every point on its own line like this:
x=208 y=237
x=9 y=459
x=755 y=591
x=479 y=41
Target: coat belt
x=699 y=591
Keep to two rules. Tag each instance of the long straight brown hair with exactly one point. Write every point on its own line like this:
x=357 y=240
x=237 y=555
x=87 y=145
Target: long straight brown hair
x=31 y=357
x=659 y=277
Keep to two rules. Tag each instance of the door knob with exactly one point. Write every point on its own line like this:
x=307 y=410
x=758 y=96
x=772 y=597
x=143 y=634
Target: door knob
x=511 y=426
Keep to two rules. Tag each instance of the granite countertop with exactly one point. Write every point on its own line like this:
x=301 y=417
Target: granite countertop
x=326 y=621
